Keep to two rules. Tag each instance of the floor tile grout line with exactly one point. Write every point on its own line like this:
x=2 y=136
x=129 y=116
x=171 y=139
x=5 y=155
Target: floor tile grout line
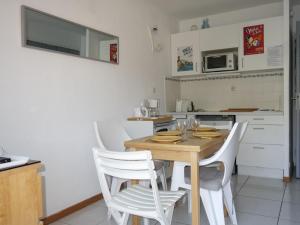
x=257 y=214
x=281 y=204
x=262 y=198
x=242 y=185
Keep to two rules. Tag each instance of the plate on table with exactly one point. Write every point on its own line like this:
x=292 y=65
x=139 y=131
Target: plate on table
x=169 y=133
x=166 y=139
x=208 y=134
x=204 y=129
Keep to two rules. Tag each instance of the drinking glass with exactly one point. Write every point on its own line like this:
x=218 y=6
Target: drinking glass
x=182 y=126
x=195 y=124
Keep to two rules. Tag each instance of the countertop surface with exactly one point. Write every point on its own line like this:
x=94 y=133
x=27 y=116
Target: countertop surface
x=254 y=113
x=30 y=162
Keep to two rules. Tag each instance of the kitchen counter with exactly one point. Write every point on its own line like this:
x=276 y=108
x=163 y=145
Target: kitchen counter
x=30 y=162
x=262 y=113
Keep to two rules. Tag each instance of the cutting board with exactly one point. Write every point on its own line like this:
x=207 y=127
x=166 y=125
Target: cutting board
x=239 y=110
x=158 y=119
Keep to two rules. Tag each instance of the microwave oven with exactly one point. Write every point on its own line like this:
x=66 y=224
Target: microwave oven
x=220 y=62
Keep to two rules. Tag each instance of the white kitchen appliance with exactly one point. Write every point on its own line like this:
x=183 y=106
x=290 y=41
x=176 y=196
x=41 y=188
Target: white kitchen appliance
x=216 y=62
x=182 y=105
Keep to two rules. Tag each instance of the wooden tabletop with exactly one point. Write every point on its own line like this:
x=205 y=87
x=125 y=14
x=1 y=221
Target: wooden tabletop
x=190 y=144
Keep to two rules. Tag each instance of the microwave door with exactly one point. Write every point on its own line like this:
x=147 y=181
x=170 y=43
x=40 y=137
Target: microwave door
x=216 y=63
x=219 y=62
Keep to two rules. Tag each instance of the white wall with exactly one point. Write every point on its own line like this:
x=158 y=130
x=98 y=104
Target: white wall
x=237 y=16
x=49 y=100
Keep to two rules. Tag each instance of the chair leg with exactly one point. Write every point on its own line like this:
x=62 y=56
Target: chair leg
x=117 y=216
x=213 y=204
x=163 y=180
x=229 y=203
x=177 y=176
x=189 y=197
x=169 y=214
x=124 y=219
x=115 y=188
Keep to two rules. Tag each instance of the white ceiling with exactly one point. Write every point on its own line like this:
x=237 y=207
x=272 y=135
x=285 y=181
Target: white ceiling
x=185 y=9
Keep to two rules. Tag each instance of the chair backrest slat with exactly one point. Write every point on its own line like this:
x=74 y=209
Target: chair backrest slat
x=127 y=174
x=125 y=164
x=129 y=156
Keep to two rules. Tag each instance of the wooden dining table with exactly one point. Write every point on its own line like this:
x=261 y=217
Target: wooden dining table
x=191 y=149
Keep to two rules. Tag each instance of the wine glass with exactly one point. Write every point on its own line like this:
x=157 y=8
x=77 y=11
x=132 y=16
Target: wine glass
x=182 y=126
x=195 y=124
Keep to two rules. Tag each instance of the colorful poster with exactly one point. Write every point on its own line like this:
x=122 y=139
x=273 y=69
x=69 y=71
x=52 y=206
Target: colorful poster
x=185 y=59
x=254 y=39
x=113 y=53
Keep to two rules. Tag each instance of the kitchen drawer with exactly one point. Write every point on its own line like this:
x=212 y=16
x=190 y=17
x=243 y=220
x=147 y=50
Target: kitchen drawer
x=264 y=134
x=267 y=156
x=261 y=119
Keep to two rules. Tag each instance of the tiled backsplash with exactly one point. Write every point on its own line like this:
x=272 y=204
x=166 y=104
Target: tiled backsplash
x=258 y=92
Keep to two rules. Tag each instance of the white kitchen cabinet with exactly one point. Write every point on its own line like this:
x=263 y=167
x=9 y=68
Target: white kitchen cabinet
x=222 y=37
x=261 y=150
x=185 y=53
x=263 y=156
x=273 y=42
x=264 y=134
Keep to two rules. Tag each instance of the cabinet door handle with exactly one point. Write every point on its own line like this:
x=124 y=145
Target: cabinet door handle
x=256 y=147
x=196 y=65
x=242 y=62
x=258 y=128
x=258 y=118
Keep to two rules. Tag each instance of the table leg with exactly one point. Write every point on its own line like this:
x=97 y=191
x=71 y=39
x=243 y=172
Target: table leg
x=135 y=219
x=195 y=183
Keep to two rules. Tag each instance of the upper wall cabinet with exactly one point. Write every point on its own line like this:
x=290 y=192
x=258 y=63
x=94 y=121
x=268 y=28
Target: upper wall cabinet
x=185 y=53
x=261 y=44
x=222 y=37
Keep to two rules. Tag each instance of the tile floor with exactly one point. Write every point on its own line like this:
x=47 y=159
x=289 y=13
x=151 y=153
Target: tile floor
x=259 y=201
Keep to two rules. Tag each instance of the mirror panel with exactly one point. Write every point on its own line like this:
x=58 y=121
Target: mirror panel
x=44 y=31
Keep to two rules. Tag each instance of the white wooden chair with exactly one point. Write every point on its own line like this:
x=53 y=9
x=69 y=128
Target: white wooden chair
x=136 y=199
x=111 y=135
x=214 y=184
